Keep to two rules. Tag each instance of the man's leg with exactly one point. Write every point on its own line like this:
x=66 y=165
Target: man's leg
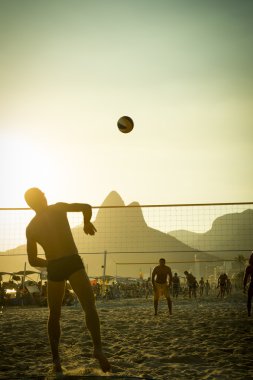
x=81 y=285
x=169 y=302
x=156 y=298
x=55 y=293
x=167 y=296
x=155 y=306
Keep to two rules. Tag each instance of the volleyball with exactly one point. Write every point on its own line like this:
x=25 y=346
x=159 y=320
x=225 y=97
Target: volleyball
x=125 y=124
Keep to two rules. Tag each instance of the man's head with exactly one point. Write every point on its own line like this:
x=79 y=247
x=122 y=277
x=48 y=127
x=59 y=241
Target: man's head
x=35 y=198
x=162 y=261
x=251 y=259
x=186 y=272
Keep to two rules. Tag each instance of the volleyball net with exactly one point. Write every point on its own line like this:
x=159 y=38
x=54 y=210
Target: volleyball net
x=134 y=237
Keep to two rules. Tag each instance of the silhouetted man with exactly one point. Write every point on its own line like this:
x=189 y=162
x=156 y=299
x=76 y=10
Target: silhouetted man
x=192 y=284
x=222 y=285
x=207 y=287
x=201 y=286
x=175 y=285
x=50 y=229
x=160 y=276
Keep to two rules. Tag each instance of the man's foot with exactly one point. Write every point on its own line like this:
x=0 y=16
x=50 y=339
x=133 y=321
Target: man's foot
x=104 y=364
x=57 y=366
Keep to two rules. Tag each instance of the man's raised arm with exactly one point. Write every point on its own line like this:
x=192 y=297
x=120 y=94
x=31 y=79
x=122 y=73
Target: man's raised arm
x=86 y=209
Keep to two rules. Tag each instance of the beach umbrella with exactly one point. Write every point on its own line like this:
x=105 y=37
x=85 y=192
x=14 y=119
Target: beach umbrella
x=27 y=272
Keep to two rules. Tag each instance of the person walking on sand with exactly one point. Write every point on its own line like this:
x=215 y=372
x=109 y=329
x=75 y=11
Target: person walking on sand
x=175 y=285
x=50 y=229
x=192 y=284
x=249 y=274
x=201 y=286
x=160 y=276
x=207 y=288
x=222 y=285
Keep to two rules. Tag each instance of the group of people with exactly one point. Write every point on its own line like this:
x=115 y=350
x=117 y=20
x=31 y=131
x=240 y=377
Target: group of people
x=50 y=229
x=190 y=287
x=17 y=294
x=118 y=289
x=162 y=281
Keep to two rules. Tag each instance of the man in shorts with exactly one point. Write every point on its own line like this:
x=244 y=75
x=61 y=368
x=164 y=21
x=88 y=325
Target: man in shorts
x=175 y=285
x=192 y=284
x=201 y=286
x=222 y=285
x=160 y=276
x=50 y=229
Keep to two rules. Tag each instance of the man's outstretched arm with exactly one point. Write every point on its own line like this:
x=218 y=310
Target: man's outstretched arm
x=86 y=209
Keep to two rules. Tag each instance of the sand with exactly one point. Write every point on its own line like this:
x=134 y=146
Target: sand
x=203 y=339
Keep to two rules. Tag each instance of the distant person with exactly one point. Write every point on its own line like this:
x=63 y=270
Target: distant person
x=201 y=286
x=50 y=229
x=207 y=288
x=161 y=281
x=229 y=286
x=175 y=285
x=249 y=274
x=192 y=284
x=148 y=288
x=222 y=285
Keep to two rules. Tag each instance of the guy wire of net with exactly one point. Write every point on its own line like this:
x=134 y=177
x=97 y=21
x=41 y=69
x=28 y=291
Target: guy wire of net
x=131 y=239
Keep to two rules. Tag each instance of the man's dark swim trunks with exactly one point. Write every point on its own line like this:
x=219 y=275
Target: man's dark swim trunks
x=61 y=269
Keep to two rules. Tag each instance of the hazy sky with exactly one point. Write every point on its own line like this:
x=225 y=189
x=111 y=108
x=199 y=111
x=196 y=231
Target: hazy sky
x=182 y=69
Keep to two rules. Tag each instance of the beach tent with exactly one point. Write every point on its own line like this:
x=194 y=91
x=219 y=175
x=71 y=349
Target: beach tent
x=4 y=274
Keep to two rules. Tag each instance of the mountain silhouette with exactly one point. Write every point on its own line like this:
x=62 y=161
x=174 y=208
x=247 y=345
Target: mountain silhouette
x=229 y=236
x=123 y=232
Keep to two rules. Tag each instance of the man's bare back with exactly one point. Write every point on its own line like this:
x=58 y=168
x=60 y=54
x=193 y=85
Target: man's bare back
x=161 y=274
x=50 y=228
x=161 y=281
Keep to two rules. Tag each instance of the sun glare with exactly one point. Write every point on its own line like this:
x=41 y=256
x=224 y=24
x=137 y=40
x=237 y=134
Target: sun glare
x=26 y=166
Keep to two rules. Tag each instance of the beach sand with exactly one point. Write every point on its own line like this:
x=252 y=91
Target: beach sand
x=203 y=339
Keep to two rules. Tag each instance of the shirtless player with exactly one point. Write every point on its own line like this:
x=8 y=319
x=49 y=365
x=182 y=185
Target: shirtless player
x=50 y=229
x=160 y=283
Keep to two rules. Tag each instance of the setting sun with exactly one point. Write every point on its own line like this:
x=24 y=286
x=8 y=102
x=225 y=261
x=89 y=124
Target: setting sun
x=27 y=165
